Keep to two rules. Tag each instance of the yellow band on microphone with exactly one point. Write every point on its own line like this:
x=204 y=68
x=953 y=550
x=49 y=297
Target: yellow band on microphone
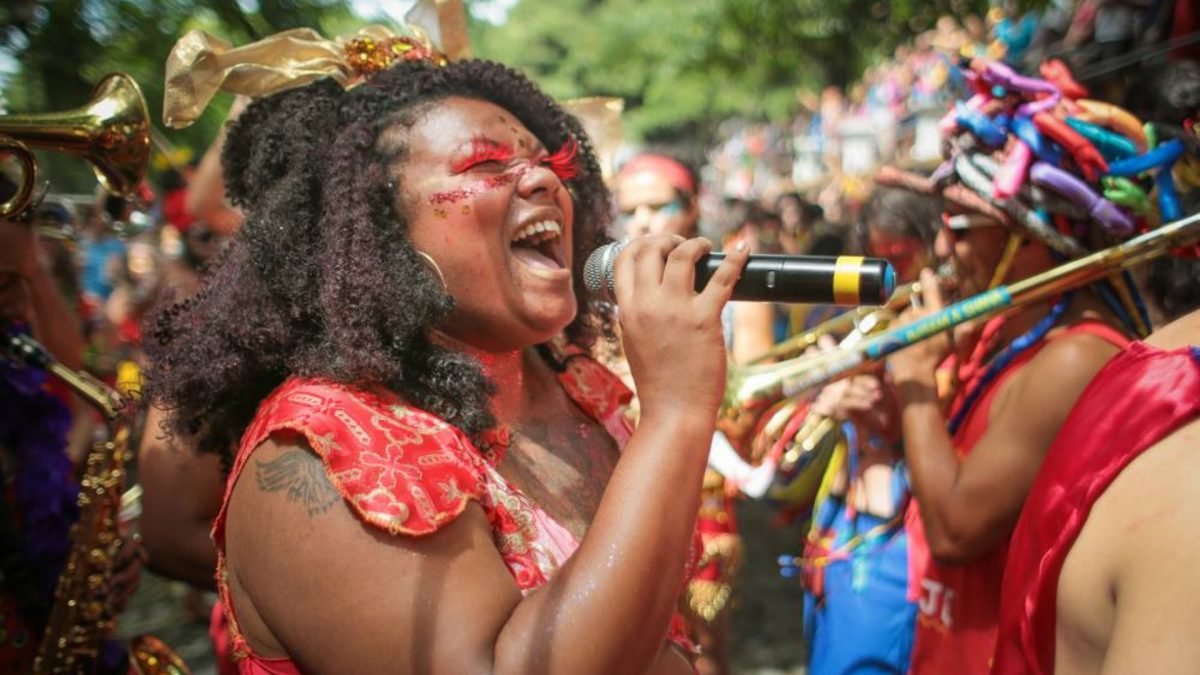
x=847 y=273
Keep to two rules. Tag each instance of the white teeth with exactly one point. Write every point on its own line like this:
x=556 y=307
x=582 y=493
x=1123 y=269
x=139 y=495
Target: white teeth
x=536 y=228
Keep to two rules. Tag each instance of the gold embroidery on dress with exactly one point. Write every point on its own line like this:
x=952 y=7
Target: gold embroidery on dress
x=423 y=502
x=436 y=458
x=450 y=491
x=306 y=400
x=353 y=427
x=392 y=510
x=239 y=651
x=524 y=540
x=324 y=444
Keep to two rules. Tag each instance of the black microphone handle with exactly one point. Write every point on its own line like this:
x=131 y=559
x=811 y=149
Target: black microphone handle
x=808 y=280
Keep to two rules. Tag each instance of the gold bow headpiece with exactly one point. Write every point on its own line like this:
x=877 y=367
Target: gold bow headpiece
x=200 y=65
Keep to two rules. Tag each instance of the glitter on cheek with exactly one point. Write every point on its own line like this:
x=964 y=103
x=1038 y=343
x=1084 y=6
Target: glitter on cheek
x=449 y=197
x=485 y=185
x=466 y=210
x=440 y=213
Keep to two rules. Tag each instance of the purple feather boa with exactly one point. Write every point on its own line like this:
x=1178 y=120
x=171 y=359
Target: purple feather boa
x=33 y=427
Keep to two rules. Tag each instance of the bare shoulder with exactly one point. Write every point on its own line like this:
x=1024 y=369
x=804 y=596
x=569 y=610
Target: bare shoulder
x=1181 y=332
x=1074 y=353
x=1043 y=393
x=298 y=554
x=1153 y=500
x=1128 y=584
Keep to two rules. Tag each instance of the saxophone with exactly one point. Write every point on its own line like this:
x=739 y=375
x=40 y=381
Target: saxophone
x=81 y=618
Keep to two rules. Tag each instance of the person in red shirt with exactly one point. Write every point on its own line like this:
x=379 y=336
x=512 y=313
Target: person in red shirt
x=971 y=469
x=1101 y=570
x=1097 y=575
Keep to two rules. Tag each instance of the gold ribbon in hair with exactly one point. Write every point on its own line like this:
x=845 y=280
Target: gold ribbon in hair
x=200 y=65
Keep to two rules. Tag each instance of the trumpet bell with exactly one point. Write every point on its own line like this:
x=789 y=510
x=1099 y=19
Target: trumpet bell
x=111 y=132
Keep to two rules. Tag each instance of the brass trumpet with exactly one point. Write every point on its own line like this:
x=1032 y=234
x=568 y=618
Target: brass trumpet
x=112 y=132
x=753 y=388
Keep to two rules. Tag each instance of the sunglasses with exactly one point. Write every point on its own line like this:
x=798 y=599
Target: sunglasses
x=959 y=225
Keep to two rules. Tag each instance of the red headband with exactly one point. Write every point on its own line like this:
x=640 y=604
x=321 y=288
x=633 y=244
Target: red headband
x=676 y=174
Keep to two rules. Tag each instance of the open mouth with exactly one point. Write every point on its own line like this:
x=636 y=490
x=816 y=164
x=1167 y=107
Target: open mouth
x=539 y=245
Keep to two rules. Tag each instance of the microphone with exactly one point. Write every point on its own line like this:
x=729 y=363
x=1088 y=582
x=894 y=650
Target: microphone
x=800 y=279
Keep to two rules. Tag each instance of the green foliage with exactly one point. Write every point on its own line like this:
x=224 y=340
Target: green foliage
x=682 y=66
x=63 y=47
x=685 y=66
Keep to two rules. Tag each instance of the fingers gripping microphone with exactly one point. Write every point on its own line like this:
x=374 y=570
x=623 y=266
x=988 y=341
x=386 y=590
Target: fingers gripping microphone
x=801 y=279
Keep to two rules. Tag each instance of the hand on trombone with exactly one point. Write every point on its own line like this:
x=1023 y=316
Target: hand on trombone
x=921 y=360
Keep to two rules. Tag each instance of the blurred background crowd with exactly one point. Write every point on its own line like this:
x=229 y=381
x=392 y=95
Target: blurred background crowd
x=784 y=110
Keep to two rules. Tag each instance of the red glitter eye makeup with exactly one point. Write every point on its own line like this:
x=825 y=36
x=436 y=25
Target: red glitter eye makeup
x=565 y=161
x=484 y=150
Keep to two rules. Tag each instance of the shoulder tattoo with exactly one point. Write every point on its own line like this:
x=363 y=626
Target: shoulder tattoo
x=302 y=475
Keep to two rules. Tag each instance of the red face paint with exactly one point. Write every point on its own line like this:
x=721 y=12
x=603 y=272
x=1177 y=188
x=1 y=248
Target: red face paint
x=564 y=163
x=485 y=185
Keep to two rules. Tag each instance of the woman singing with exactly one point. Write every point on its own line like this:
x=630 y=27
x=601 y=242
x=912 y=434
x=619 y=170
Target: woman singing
x=426 y=474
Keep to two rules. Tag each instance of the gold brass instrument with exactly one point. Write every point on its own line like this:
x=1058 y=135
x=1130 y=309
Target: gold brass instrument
x=81 y=618
x=112 y=132
x=811 y=436
x=754 y=388
x=850 y=321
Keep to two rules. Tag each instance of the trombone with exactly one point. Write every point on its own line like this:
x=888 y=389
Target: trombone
x=753 y=388
x=855 y=320
x=112 y=132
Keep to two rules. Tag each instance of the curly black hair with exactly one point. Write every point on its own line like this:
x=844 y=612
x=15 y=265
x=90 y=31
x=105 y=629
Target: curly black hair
x=322 y=280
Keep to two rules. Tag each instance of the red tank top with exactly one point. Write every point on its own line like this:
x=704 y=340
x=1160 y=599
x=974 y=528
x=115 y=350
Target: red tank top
x=1140 y=397
x=958 y=605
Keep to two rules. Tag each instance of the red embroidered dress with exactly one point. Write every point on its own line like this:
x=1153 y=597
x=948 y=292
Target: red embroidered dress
x=1140 y=397
x=410 y=473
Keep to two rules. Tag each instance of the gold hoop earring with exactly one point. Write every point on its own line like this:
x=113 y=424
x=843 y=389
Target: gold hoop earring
x=432 y=264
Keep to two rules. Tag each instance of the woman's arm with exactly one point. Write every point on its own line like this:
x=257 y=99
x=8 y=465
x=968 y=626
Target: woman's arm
x=181 y=495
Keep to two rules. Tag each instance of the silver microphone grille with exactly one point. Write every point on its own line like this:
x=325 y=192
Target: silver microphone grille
x=598 y=271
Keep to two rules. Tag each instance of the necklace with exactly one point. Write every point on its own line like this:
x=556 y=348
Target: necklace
x=1005 y=357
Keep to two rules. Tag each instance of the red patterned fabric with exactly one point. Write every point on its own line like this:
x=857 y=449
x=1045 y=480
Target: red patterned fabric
x=1140 y=397
x=410 y=473
x=958 y=606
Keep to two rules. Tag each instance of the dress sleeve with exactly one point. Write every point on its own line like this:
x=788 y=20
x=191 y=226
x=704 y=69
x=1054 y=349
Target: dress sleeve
x=399 y=468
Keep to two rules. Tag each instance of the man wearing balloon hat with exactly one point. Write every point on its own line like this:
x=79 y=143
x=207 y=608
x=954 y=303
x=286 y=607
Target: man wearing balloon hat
x=1099 y=574
x=1026 y=189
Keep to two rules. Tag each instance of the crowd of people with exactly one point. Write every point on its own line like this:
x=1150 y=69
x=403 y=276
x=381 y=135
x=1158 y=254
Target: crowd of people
x=378 y=412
